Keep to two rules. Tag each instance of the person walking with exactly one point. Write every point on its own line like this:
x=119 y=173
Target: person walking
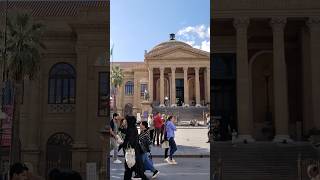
x=132 y=140
x=144 y=142
x=170 y=130
x=158 y=125
x=114 y=125
x=151 y=128
x=165 y=140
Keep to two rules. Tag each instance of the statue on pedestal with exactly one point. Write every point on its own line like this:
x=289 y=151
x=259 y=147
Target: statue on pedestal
x=146 y=95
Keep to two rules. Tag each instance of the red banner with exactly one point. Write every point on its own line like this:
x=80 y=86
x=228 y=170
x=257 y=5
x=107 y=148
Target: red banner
x=7 y=126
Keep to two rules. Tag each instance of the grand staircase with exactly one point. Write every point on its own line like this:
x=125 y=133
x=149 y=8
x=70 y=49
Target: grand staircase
x=261 y=160
x=184 y=113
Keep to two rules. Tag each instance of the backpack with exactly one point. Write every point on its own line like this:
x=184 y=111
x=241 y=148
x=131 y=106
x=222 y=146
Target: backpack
x=130 y=157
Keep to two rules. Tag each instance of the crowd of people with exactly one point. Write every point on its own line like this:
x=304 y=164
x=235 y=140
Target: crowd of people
x=158 y=130
x=20 y=171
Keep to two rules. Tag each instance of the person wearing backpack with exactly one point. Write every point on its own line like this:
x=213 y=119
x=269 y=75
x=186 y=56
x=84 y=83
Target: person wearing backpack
x=145 y=142
x=131 y=145
x=170 y=130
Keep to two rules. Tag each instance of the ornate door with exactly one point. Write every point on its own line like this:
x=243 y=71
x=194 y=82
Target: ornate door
x=59 y=151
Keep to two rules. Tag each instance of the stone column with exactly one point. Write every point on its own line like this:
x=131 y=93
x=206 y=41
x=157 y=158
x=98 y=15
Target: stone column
x=243 y=100
x=197 y=81
x=186 y=86
x=161 y=86
x=280 y=80
x=208 y=85
x=79 y=155
x=314 y=28
x=173 y=87
x=150 y=90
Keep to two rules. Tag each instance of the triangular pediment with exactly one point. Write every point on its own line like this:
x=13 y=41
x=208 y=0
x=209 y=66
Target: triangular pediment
x=179 y=52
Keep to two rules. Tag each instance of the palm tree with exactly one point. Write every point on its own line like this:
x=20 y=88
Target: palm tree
x=23 y=57
x=116 y=82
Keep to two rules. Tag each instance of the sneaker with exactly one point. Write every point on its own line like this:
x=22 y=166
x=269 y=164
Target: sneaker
x=166 y=159
x=172 y=162
x=117 y=161
x=155 y=174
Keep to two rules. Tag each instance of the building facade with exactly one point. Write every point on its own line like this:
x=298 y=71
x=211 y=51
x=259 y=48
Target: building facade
x=173 y=73
x=66 y=106
x=265 y=77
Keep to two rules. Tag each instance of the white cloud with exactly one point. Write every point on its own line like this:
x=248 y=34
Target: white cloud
x=197 y=36
x=205 y=45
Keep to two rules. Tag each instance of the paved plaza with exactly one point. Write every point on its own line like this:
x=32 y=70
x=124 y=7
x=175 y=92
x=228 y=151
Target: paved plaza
x=191 y=142
x=187 y=169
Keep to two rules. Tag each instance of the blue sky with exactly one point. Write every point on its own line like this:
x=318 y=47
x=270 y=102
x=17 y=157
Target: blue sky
x=138 y=25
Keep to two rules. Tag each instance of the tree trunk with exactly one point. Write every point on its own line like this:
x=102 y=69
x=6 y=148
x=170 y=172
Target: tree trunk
x=15 y=141
x=115 y=101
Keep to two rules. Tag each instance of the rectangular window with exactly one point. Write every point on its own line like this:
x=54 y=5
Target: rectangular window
x=143 y=88
x=103 y=101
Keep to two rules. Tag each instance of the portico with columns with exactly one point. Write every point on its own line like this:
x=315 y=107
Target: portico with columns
x=173 y=73
x=178 y=75
x=277 y=79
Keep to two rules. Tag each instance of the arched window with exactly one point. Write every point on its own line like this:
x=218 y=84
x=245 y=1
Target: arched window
x=62 y=84
x=128 y=88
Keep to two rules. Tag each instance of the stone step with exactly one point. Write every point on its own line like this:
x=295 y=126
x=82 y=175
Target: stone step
x=263 y=161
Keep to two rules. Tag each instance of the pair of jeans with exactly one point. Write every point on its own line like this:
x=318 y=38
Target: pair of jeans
x=166 y=152
x=147 y=162
x=158 y=133
x=173 y=147
x=152 y=135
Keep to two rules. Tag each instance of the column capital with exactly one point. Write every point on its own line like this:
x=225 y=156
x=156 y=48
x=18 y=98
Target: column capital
x=197 y=69
x=185 y=68
x=173 y=68
x=150 y=68
x=313 y=22
x=241 y=23
x=278 y=23
x=161 y=68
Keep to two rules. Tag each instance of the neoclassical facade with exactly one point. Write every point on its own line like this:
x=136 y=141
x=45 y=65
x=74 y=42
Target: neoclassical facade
x=65 y=107
x=271 y=50
x=173 y=73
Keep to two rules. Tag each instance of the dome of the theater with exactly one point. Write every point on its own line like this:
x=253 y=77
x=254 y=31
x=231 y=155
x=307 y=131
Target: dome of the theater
x=171 y=43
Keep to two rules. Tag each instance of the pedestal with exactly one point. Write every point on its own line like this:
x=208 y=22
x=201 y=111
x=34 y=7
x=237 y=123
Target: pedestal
x=146 y=107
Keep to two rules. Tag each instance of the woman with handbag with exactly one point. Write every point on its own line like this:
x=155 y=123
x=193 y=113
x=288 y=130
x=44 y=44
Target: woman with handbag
x=145 y=142
x=131 y=147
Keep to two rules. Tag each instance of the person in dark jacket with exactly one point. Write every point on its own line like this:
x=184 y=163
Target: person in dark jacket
x=145 y=142
x=131 y=140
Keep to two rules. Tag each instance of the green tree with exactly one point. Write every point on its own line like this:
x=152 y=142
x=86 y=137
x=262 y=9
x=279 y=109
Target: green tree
x=22 y=61
x=116 y=82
